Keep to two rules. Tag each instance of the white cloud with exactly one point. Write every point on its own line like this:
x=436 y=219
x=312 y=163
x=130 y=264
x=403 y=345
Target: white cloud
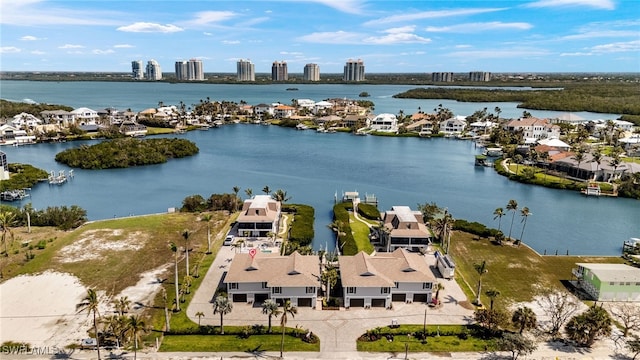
x=601 y=34
x=9 y=50
x=332 y=37
x=396 y=38
x=462 y=46
x=231 y=42
x=346 y=6
x=208 y=17
x=403 y=29
x=617 y=47
x=70 y=46
x=29 y=38
x=598 y=4
x=480 y=26
x=290 y=53
x=39 y=13
x=207 y=34
x=576 y=54
x=38 y=52
x=431 y=15
x=102 y=52
x=147 y=27
x=499 y=53
x=123 y=46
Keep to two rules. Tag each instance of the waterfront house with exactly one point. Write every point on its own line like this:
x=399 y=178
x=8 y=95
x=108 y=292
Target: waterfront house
x=271 y=276
x=322 y=107
x=453 y=126
x=61 y=118
x=25 y=121
x=85 y=116
x=631 y=144
x=555 y=143
x=132 y=128
x=261 y=109
x=404 y=228
x=384 y=123
x=281 y=111
x=588 y=169
x=259 y=216
x=377 y=281
x=11 y=135
x=609 y=282
x=533 y=128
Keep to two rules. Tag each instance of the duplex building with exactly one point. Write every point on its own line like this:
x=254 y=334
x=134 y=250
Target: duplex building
x=405 y=228
x=271 y=276
x=609 y=282
x=377 y=281
x=259 y=216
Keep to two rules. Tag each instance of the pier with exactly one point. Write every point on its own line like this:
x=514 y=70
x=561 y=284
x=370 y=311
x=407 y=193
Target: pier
x=59 y=179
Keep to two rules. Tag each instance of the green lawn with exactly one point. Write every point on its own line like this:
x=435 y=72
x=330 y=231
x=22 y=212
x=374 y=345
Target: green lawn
x=518 y=273
x=216 y=343
x=360 y=233
x=448 y=341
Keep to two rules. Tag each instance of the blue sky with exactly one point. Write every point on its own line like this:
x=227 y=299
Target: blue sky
x=389 y=36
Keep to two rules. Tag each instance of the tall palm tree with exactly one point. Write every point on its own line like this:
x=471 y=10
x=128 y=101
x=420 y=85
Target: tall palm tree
x=166 y=309
x=329 y=276
x=270 y=308
x=499 y=213
x=579 y=157
x=122 y=305
x=524 y=318
x=236 y=190
x=249 y=192
x=222 y=306
x=266 y=190
x=199 y=314
x=173 y=247
x=136 y=327
x=492 y=294
x=281 y=196
x=481 y=269
x=91 y=304
x=207 y=218
x=28 y=208
x=287 y=309
x=439 y=287
x=443 y=226
x=512 y=206
x=7 y=220
x=525 y=213
x=596 y=157
x=185 y=235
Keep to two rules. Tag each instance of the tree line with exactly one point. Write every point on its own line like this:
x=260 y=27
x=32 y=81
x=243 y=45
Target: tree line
x=10 y=109
x=123 y=153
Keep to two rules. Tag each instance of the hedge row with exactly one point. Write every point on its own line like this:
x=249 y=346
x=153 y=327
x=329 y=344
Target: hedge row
x=347 y=242
x=301 y=229
x=369 y=211
x=474 y=228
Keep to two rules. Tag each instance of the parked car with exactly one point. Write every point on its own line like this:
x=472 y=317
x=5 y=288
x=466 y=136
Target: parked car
x=228 y=240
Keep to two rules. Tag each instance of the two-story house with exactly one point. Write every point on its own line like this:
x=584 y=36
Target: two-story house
x=259 y=216
x=85 y=116
x=271 y=276
x=377 y=281
x=384 y=123
x=283 y=111
x=534 y=128
x=453 y=126
x=404 y=228
x=609 y=282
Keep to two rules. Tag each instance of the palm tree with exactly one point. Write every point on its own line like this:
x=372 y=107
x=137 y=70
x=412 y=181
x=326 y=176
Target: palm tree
x=207 y=218
x=497 y=111
x=579 y=157
x=481 y=269
x=222 y=306
x=166 y=309
x=512 y=206
x=443 y=226
x=249 y=192
x=270 y=308
x=439 y=287
x=524 y=318
x=525 y=213
x=492 y=294
x=336 y=226
x=266 y=190
x=236 y=190
x=136 y=326
x=7 y=220
x=596 y=157
x=28 y=208
x=329 y=276
x=122 y=305
x=199 y=314
x=287 y=309
x=281 y=196
x=499 y=213
x=173 y=247
x=91 y=304
x=185 y=235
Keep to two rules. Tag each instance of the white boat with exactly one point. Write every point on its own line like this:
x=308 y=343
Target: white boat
x=301 y=127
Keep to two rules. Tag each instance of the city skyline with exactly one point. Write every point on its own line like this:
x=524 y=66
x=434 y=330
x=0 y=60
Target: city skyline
x=398 y=36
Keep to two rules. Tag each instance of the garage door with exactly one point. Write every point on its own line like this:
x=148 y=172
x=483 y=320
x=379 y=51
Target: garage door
x=420 y=298
x=304 y=302
x=399 y=297
x=260 y=298
x=356 y=302
x=378 y=302
x=239 y=297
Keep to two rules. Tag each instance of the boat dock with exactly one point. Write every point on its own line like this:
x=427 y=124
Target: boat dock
x=59 y=179
x=14 y=195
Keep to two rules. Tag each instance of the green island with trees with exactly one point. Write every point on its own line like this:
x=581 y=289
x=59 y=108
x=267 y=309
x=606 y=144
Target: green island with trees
x=22 y=176
x=126 y=152
x=616 y=98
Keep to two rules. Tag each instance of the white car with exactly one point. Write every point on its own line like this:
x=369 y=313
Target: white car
x=228 y=240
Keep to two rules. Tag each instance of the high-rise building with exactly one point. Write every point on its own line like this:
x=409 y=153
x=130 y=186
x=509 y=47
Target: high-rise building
x=4 y=166
x=442 y=77
x=153 y=70
x=311 y=72
x=481 y=76
x=189 y=70
x=136 y=70
x=279 y=71
x=354 y=70
x=246 y=70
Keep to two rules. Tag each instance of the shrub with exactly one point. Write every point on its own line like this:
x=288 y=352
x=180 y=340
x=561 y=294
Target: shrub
x=475 y=228
x=369 y=211
x=301 y=230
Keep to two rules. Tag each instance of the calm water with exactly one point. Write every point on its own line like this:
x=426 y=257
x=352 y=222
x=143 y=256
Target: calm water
x=312 y=167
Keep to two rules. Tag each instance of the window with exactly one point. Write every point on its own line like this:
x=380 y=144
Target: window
x=264 y=285
x=276 y=290
x=426 y=285
x=311 y=289
x=612 y=283
x=628 y=283
x=384 y=290
x=351 y=290
x=396 y=284
x=233 y=286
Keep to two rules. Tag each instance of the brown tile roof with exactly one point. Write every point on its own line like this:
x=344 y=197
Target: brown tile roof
x=262 y=208
x=383 y=269
x=294 y=270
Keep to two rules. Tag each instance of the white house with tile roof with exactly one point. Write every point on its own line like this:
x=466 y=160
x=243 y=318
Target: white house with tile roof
x=259 y=216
